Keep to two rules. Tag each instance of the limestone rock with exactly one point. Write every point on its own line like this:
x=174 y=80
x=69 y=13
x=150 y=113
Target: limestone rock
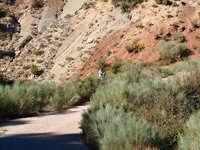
x=48 y=16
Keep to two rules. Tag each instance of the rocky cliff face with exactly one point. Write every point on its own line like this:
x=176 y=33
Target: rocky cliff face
x=63 y=38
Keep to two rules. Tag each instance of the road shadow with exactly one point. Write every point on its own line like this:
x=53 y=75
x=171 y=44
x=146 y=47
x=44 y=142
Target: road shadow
x=66 y=110
x=13 y=123
x=42 y=142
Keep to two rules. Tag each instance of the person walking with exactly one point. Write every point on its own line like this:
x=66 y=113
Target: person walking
x=101 y=74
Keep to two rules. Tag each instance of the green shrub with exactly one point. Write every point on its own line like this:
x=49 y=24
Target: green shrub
x=39 y=53
x=88 y=5
x=129 y=48
x=34 y=69
x=140 y=26
x=164 y=37
x=134 y=47
x=110 y=128
x=189 y=140
x=174 y=4
x=141 y=94
x=88 y=86
x=71 y=89
x=116 y=66
x=169 y=16
x=163 y=2
x=197 y=37
x=195 y=23
x=194 y=46
x=116 y=90
x=37 y=4
x=189 y=82
x=78 y=91
x=40 y=61
x=43 y=45
x=181 y=21
x=139 y=47
x=126 y=5
x=175 y=25
x=170 y=53
x=102 y=64
x=178 y=37
x=158 y=1
x=26 y=67
x=112 y=93
x=57 y=100
x=164 y=72
x=22 y=99
x=4 y=12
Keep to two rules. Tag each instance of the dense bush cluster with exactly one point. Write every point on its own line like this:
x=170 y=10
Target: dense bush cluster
x=111 y=128
x=132 y=101
x=170 y=52
x=21 y=99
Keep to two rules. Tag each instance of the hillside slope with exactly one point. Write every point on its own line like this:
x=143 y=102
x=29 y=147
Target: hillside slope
x=63 y=43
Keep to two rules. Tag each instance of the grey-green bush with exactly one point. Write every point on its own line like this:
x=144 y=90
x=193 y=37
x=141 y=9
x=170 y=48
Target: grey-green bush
x=24 y=98
x=148 y=98
x=189 y=140
x=111 y=128
x=57 y=100
x=170 y=53
x=88 y=87
x=21 y=99
x=178 y=37
x=189 y=82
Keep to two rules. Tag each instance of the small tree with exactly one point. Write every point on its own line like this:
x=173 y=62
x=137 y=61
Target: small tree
x=102 y=64
x=116 y=67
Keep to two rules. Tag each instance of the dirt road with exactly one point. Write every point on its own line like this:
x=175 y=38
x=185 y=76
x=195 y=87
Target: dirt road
x=49 y=131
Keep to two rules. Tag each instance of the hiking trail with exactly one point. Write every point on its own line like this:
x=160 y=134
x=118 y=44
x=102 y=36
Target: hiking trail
x=55 y=130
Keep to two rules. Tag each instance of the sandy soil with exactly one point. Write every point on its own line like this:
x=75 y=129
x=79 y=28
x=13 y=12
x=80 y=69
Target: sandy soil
x=51 y=130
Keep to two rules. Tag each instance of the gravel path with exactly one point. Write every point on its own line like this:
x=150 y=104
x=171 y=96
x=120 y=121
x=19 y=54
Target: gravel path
x=49 y=131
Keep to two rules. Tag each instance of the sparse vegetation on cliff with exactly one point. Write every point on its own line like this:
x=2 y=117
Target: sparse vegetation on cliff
x=125 y=5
